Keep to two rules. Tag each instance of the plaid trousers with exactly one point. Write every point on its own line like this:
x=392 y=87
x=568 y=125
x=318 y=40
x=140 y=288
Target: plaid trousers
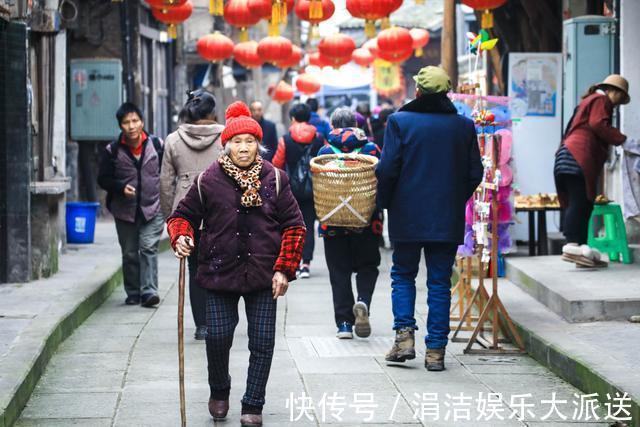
x=222 y=319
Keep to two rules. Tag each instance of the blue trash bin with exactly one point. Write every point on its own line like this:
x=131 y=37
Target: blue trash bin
x=81 y=221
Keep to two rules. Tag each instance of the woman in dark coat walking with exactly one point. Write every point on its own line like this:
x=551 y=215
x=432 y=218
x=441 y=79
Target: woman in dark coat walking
x=580 y=160
x=251 y=244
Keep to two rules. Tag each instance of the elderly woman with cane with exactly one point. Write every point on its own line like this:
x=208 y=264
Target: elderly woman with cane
x=250 y=247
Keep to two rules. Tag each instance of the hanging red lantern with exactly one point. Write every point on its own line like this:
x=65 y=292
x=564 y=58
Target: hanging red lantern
x=173 y=16
x=237 y=13
x=317 y=60
x=420 y=40
x=163 y=5
x=281 y=93
x=371 y=11
x=485 y=6
x=293 y=60
x=395 y=44
x=214 y=47
x=306 y=12
x=362 y=57
x=246 y=54
x=275 y=48
x=308 y=84
x=337 y=49
x=274 y=11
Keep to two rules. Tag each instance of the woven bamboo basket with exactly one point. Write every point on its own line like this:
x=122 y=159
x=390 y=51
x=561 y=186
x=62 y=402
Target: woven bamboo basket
x=344 y=189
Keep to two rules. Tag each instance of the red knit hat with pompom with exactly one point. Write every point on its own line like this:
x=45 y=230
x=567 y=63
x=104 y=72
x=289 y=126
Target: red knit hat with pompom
x=239 y=121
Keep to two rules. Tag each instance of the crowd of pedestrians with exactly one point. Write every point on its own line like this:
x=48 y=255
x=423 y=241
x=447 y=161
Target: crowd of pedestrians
x=238 y=202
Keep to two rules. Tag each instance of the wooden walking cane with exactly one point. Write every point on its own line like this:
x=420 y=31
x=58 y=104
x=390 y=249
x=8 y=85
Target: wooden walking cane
x=183 y=410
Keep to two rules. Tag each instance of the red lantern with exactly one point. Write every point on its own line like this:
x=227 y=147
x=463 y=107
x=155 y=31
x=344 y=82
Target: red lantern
x=275 y=11
x=246 y=54
x=362 y=57
x=317 y=60
x=420 y=40
x=174 y=16
x=214 y=47
x=308 y=84
x=337 y=49
x=372 y=46
x=306 y=12
x=281 y=93
x=485 y=6
x=293 y=60
x=163 y=5
x=275 y=48
x=371 y=11
x=238 y=14
x=395 y=44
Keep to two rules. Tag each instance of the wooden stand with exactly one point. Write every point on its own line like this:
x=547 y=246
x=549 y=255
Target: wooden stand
x=494 y=312
x=478 y=299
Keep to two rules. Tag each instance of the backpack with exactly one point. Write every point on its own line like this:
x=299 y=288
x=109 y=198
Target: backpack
x=157 y=145
x=300 y=177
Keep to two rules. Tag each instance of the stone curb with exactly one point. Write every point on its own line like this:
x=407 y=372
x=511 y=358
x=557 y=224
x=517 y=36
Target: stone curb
x=62 y=330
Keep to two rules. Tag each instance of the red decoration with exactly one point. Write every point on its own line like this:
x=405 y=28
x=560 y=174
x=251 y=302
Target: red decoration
x=238 y=14
x=372 y=10
x=305 y=8
x=214 y=47
x=420 y=39
x=293 y=60
x=281 y=93
x=275 y=48
x=173 y=16
x=246 y=54
x=337 y=49
x=308 y=84
x=316 y=59
x=363 y=57
x=260 y=8
x=372 y=46
x=395 y=44
x=485 y=6
x=165 y=4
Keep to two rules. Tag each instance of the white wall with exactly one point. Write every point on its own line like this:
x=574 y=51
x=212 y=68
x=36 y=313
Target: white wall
x=535 y=141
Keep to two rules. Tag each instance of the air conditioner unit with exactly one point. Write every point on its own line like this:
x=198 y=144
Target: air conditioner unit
x=95 y=95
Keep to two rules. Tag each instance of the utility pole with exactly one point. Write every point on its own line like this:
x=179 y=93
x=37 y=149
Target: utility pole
x=449 y=42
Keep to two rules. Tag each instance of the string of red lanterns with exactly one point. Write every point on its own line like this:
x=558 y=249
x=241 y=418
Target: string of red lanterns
x=173 y=15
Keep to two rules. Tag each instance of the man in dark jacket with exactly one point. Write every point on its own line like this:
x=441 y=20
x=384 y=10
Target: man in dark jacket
x=295 y=150
x=270 y=138
x=430 y=166
x=130 y=173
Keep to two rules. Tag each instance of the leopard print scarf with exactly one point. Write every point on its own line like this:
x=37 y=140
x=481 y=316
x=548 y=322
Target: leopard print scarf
x=248 y=180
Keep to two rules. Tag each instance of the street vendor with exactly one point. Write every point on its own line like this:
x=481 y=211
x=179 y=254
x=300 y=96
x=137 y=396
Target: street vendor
x=250 y=247
x=579 y=161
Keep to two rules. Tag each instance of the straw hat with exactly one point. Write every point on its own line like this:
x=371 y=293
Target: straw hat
x=618 y=82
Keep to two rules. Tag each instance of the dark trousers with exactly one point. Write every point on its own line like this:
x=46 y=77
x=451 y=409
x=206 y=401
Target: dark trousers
x=197 y=294
x=346 y=254
x=139 y=244
x=440 y=257
x=308 y=210
x=576 y=216
x=222 y=318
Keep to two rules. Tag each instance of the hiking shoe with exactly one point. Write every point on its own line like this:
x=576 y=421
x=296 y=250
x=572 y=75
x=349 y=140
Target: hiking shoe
x=132 y=300
x=362 y=326
x=304 y=272
x=149 y=300
x=434 y=359
x=403 y=347
x=201 y=333
x=345 y=331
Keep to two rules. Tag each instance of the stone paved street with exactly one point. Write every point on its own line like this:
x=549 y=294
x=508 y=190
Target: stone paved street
x=120 y=369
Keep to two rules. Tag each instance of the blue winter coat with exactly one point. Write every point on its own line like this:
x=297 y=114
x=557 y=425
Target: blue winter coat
x=320 y=124
x=429 y=168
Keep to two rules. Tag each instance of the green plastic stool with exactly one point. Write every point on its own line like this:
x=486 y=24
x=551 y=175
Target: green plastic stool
x=614 y=241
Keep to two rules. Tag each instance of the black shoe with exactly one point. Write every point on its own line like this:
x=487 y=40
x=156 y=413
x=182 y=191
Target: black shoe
x=132 y=300
x=201 y=333
x=149 y=300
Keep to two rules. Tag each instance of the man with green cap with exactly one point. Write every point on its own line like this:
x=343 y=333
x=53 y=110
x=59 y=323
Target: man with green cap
x=430 y=167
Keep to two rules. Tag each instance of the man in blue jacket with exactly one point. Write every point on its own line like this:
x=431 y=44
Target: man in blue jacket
x=429 y=168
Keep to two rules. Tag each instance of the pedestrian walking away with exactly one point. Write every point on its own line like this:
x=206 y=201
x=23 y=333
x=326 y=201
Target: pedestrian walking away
x=579 y=162
x=430 y=166
x=130 y=173
x=251 y=250
x=295 y=151
x=349 y=250
x=269 y=133
x=187 y=152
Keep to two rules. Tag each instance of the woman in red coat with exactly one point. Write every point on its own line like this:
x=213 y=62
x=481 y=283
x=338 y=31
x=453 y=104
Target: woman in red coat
x=580 y=160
